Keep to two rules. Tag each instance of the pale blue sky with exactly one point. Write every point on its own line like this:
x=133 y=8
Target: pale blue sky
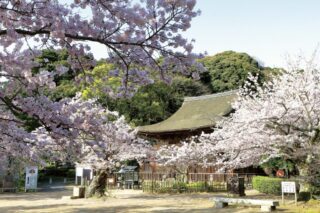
x=265 y=29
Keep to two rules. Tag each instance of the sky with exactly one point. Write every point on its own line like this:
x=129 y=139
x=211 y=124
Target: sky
x=268 y=30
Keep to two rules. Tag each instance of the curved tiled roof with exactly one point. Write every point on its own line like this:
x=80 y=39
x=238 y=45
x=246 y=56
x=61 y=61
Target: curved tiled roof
x=195 y=113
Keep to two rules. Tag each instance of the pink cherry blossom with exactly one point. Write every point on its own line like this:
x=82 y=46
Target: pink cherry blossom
x=134 y=33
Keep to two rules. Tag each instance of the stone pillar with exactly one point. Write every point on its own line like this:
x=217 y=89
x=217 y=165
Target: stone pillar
x=235 y=185
x=79 y=191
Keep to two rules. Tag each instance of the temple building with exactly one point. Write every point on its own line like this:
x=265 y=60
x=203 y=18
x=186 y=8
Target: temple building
x=196 y=115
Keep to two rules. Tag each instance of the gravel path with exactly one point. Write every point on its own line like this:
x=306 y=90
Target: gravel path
x=120 y=201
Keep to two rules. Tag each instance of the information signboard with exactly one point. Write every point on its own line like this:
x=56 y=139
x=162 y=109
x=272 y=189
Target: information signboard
x=83 y=174
x=289 y=188
x=31 y=178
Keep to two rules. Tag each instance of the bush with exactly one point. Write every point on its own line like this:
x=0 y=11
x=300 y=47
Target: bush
x=267 y=185
x=179 y=187
x=197 y=186
x=304 y=196
x=200 y=184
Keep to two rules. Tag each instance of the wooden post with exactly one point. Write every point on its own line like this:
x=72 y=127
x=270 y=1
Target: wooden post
x=205 y=183
x=50 y=180
x=82 y=181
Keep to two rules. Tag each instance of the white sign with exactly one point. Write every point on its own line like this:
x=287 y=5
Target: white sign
x=289 y=187
x=83 y=173
x=79 y=171
x=31 y=178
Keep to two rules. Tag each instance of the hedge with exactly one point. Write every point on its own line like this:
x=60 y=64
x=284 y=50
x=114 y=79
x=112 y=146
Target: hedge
x=267 y=185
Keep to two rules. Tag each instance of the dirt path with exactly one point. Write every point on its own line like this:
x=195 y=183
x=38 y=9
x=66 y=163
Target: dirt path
x=120 y=201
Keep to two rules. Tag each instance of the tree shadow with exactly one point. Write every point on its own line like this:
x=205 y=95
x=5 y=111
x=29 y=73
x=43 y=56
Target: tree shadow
x=33 y=196
x=169 y=209
x=25 y=208
x=148 y=208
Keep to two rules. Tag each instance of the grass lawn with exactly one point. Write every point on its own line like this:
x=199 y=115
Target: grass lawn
x=310 y=207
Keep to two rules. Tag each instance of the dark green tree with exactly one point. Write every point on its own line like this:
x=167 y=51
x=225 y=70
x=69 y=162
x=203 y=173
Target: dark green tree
x=229 y=70
x=189 y=87
x=49 y=60
x=155 y=102
x=150 y=104
x=271 y=166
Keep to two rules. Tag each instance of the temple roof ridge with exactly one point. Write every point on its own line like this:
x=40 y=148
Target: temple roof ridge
x=219 y=94
x=196 y=113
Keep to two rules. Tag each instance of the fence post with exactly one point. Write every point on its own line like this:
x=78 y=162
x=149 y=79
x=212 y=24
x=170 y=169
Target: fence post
x=152 y=182
x=205 y=183
x=50 y=180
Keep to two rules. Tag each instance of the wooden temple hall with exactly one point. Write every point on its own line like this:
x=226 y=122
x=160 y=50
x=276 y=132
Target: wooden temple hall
x=196 y=115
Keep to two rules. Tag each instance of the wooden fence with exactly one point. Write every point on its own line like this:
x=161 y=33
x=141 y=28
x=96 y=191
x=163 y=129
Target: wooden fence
x=174 y=186
x=8 y=184
x=174 y=182
x=196 y=177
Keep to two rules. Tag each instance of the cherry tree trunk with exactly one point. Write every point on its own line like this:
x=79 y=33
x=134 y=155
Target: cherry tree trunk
x=304 y=174
x=98 y=185
x=268 y=171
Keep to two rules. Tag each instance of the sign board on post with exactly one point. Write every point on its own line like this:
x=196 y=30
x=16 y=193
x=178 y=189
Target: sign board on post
x=83 y=173
x=31 y=178
x=289 y=188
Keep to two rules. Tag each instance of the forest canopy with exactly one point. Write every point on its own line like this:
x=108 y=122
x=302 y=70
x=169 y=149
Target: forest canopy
x=156 y=102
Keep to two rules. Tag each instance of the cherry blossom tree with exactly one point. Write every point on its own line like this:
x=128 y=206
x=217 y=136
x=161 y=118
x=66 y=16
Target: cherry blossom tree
x=135 y=34
x=279 y=119
x=99 y=138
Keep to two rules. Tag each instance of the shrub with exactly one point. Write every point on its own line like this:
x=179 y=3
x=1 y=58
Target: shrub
x=304 y=196
x=200 y=184
x=179 y=187
x=197 y=186
x=164 y=186
x=217 y=187
x=164 y=189
x=267 y=185
x=150 y=186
